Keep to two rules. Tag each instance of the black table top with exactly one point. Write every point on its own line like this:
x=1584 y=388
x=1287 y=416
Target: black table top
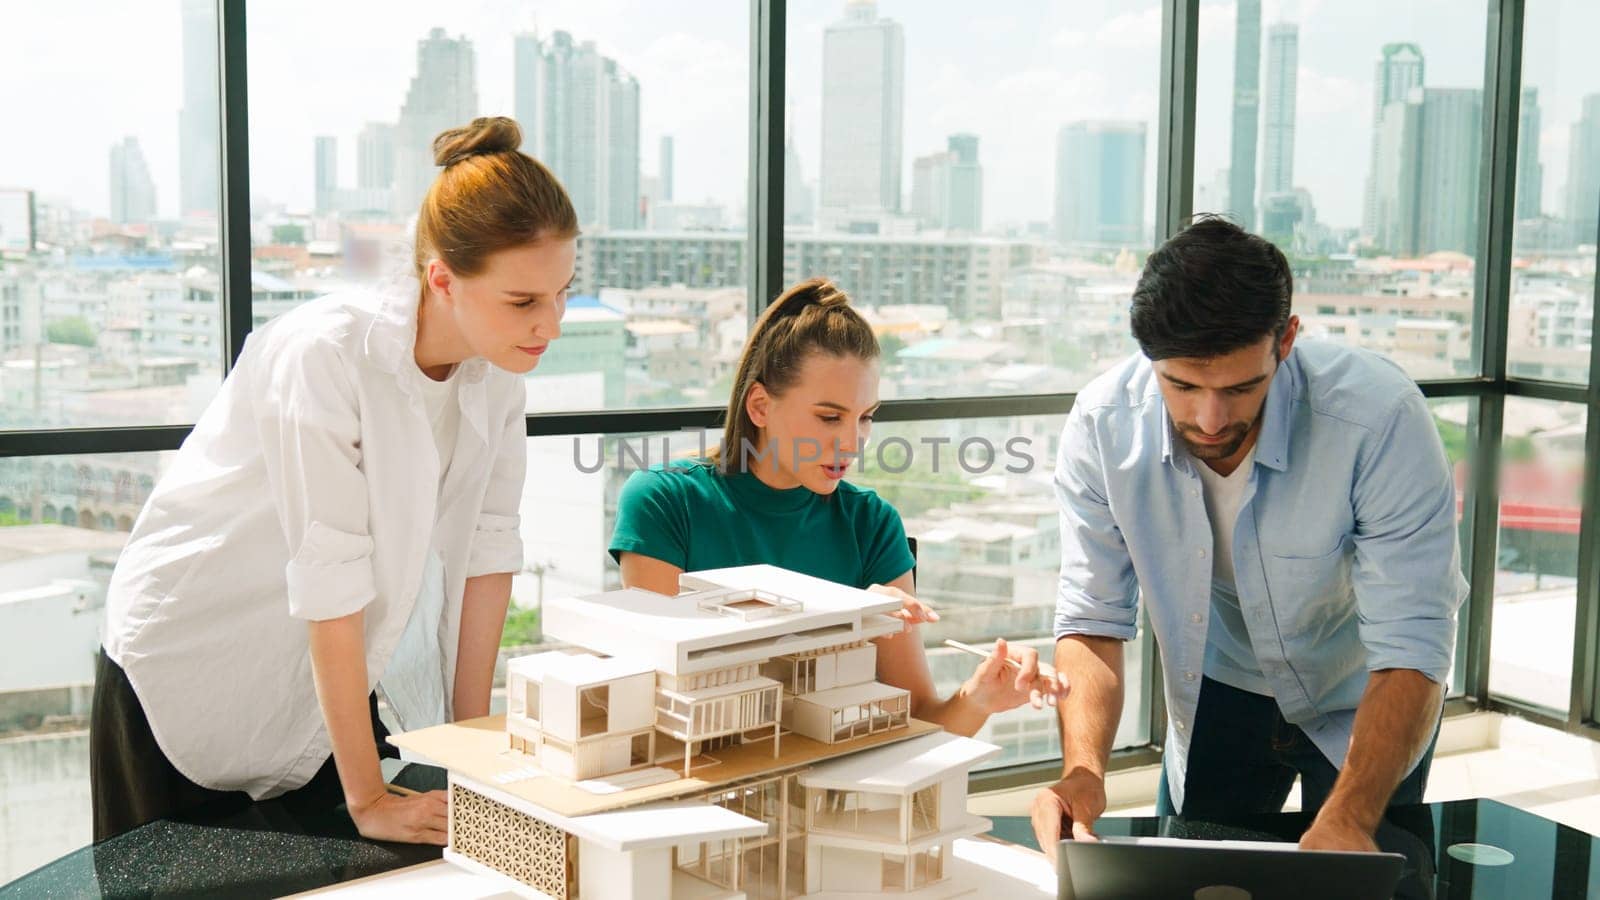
x=1460 y=849
x=264 y=851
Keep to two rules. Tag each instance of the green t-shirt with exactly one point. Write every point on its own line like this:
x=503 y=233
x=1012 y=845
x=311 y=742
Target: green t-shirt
x=692 y=516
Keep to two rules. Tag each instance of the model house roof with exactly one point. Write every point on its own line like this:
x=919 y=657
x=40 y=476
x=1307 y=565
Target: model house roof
x=641 y=827
x=677 y=636
x=902 y=768
x=579 y=669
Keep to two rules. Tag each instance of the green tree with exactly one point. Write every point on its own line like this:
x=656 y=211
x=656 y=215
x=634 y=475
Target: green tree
x=522 y=628
x=71 y=330
x=891 y=345
x=288 y=234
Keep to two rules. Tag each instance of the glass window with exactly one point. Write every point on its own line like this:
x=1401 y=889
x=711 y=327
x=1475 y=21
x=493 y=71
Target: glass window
x=1536 y=568
x=1557 y=195
x=982 y=185
x=641 y=111
x=1379 y=220
x=108 y=220
x=63 y=521
x=976 y=495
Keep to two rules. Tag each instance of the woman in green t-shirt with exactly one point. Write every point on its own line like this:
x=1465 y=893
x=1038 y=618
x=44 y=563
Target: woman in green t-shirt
x=802 y=406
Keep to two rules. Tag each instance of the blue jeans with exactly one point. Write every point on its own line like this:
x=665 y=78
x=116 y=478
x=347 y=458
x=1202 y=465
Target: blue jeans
x=1243 y=759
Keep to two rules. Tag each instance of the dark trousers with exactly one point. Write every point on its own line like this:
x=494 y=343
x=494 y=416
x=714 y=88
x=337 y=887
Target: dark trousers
x=1243 y=759
x=132 y=782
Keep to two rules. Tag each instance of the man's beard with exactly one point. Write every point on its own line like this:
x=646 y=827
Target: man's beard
x=1237 y=434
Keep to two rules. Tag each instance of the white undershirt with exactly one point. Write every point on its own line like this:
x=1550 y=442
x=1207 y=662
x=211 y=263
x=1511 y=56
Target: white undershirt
x=444 y=412
x=1230 y=658
x=413 y=683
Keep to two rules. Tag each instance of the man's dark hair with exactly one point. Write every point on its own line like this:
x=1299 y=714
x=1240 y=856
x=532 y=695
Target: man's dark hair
x=1211 y=289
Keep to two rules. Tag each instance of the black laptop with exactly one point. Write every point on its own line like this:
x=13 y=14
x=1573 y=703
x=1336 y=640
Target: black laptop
x=1149 y=868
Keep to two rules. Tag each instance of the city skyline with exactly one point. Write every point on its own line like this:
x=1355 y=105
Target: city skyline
x=1124 y=34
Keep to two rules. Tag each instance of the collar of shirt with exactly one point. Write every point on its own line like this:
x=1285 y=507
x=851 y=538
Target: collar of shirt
x=391 y=338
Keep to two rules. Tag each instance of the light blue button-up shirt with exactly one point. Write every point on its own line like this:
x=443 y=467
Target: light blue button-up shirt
x=1345 y=552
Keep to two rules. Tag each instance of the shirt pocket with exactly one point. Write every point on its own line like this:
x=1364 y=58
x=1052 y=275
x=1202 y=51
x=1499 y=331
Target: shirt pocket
x=1311 y=595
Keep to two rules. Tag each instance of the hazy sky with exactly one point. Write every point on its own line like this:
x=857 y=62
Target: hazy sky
x=92 y=72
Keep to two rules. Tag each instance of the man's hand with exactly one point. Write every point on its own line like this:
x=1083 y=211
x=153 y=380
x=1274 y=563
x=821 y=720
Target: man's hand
x=1335 y=832
x=413 y=819
x=1078 y=799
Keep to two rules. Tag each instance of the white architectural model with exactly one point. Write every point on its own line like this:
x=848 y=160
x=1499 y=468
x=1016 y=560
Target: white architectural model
x=793 y=772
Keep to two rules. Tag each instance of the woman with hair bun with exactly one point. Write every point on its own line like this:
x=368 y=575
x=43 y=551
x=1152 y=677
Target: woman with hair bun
x=774 y=492
x=341 y=521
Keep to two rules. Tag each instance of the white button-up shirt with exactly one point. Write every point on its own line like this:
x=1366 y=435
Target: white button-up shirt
x=308 y=490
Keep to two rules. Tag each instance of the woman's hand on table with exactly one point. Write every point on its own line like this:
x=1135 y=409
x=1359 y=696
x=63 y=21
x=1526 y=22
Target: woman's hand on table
x=417 y=818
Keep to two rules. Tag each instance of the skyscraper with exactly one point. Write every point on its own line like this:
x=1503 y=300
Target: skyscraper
x=1277 y=149
x=947 y=187
x=665 y=165
x=1246 y=103
x=1100 y=182
x=1426 y=185
x=579 y=113
x=375 y=157
x=930 y=184
x=1530 y=172
x=1583 y=173
x=1447 y=199
x=199 y=130
x=964 y=201
x=1400 y=68
x=443 y=95
x=326 y=172
x=863 y=109
x=133 y=192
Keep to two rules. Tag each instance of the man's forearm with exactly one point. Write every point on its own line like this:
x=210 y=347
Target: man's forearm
x=339 y=669
x=483 y=620
x=1093 y=705
x=1395 y=721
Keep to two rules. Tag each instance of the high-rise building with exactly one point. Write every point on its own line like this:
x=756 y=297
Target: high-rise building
x=579 y=113
x=799 y=203
x=1530 y=172
x=375 y=157
x=1100 y=182
x=1400 y=68
x=665 y=166
x=964 y=200
x=947 y=187
x=1277 y=147
x=1397 y=146
x=1452 y=128
x=133 y=192
x=1426 y=184
x=199 y=130
x=443 y=95
x=863 y=110
x=326 y=172
x=1583 y=174
x=930 y=185
x=1246 y=107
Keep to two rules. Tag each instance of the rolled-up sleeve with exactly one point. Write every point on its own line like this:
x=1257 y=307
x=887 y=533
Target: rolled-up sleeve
x=1097 y=593
x=1407 y=567
x=309 y=425
x=497 y=538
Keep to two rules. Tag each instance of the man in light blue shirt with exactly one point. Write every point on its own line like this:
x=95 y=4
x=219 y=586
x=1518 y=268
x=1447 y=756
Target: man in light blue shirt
x=1288 y=516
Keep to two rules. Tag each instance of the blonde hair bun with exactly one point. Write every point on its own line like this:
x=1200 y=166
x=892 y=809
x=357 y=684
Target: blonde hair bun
x=487 y=134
